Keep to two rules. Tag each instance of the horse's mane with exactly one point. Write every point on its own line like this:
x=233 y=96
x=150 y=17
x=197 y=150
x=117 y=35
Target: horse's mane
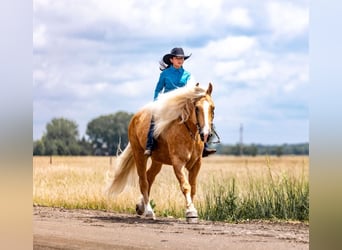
x=174 y=105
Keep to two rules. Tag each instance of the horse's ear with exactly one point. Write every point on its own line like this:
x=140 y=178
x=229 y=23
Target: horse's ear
x=197 y=84
x=210 y=89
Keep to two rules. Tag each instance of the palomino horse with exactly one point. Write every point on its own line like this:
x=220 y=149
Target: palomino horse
x=183 y=121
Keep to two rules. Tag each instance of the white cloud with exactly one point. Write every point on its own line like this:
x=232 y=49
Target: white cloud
x=37 y=4
x=38 y=76
x=228 y=68
x=287 y=20
x=84 y=91
x=39 y=36
x=239 y=17
x=228 y=47
x=255 y=73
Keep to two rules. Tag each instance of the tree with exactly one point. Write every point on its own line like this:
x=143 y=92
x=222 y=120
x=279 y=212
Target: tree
x=85 y=147
x=251 y=150
x=38 y=147
x=279 y=151
x=61 y=137
x=108 y=133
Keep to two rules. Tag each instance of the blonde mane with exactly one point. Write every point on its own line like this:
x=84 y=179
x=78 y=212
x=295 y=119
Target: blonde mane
x=174 y=105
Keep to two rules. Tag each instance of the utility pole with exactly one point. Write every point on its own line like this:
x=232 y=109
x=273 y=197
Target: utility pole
x=241 y=139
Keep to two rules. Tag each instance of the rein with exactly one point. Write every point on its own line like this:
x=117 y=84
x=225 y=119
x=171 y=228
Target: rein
x=193 y=136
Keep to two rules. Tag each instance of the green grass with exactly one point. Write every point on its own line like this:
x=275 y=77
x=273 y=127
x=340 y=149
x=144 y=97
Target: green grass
x=286 y=198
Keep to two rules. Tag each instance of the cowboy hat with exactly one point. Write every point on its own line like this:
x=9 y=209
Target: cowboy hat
x=174 y=52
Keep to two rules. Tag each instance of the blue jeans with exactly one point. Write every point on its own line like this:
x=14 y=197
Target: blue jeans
x=150 y=139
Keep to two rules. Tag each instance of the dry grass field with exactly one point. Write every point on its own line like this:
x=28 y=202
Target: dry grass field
x=228 y=181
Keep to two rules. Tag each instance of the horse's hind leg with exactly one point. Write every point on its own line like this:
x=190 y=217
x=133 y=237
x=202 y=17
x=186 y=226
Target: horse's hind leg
x=152 y=173
x=143 y=207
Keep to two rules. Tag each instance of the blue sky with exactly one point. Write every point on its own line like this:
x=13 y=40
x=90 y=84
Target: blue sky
x=96 y=57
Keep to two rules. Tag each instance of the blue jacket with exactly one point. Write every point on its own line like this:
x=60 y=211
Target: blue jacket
x=170 y=79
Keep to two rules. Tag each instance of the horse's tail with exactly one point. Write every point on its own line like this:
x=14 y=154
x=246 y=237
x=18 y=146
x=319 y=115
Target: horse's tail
x=124 y=173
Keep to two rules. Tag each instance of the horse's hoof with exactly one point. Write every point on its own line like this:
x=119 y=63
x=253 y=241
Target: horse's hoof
x=150 y=215
x=192 y=220
x=138 y=209
x=191 y=216
x=191 y=213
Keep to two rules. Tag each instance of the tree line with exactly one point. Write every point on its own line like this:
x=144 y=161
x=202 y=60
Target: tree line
x=107 y=135
x=259 y=149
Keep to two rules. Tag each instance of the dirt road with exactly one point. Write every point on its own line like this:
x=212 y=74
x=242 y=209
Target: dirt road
x=56 y=228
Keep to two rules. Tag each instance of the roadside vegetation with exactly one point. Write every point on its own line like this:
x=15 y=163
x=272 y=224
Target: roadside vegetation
x=229 y=188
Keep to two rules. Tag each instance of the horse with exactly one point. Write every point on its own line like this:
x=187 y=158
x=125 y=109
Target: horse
x=183 y=123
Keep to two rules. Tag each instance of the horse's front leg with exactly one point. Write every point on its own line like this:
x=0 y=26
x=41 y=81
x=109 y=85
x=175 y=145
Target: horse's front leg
x=191 y=212
x=193 y=173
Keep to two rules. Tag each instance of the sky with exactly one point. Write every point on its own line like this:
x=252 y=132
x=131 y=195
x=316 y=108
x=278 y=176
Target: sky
x=98 y=57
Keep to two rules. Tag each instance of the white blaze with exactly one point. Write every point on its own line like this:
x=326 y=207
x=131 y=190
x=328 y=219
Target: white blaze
x=206 y=128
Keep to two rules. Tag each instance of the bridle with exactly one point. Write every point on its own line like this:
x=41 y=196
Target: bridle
x=213 y=131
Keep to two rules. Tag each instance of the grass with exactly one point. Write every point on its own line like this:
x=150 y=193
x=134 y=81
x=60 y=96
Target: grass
x=229 y=188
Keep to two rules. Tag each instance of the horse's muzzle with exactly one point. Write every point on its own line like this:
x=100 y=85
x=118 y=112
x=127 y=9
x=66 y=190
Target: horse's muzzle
x=204 y=137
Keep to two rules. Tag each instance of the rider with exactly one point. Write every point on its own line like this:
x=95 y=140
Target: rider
x=173 y=76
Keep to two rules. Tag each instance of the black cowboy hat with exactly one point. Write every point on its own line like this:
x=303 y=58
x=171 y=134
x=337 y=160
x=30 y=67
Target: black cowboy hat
x=174 y=52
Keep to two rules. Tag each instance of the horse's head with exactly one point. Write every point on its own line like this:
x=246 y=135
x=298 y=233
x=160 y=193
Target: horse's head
x=204 y=108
